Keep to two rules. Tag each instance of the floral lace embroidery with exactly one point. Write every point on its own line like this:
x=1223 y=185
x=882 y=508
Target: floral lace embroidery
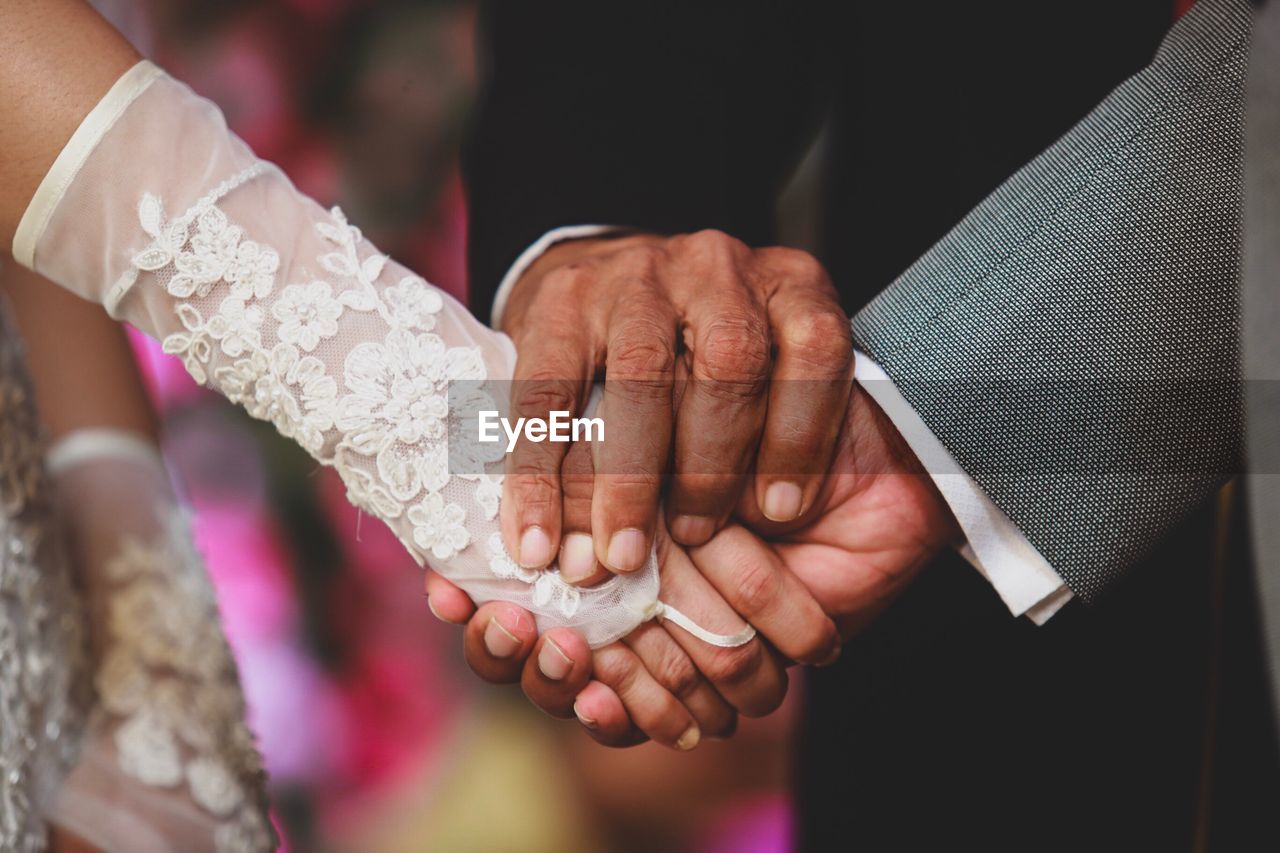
x=168 y=685
x=384 y=421
x=547 y=586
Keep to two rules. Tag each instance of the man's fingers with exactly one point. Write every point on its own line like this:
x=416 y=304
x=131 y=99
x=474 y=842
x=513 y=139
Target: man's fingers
x=556 y=671
x=722 y=414
x=497 y=640
x=765 y=593
x=650 y=706
x=446 y=601
x=637 y=413
x=811 y=385
x=552 y=374
x=578 y=564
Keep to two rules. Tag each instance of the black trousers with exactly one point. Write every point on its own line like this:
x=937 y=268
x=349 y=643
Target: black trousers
x=1138 y=724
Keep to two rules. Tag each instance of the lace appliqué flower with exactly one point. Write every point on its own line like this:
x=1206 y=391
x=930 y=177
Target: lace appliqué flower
x=237 y=326
x=501 y=564
x=549 y=587
x=438 y=526
x=214 y=251
x=307 y=313
x=413 y=305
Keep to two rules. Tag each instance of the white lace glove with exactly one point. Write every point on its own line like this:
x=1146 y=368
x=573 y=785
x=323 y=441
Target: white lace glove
x=157 y=211
x=166 y=762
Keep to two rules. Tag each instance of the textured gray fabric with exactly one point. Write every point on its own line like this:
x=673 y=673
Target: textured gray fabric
x=1073 y=341
x=1260 y=313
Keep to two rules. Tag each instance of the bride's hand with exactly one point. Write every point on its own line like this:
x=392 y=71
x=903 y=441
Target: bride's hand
x=659 y=682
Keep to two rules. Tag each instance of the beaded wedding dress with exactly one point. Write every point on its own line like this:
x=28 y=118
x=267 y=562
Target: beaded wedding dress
x=156 y=211
x=43 y=657
x=121 y=715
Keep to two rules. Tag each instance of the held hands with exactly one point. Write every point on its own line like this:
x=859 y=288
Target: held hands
x=793 y=569
x=876 y=522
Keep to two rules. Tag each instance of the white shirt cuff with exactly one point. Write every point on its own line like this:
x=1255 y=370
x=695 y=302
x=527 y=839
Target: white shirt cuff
x=1022 y=577
x=531 y=254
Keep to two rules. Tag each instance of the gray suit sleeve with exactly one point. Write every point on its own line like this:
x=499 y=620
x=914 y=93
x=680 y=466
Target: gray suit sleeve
x=1073 y=342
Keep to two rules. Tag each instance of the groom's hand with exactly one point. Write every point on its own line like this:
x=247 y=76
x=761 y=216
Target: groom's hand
x=879 y=521
x=644 y=310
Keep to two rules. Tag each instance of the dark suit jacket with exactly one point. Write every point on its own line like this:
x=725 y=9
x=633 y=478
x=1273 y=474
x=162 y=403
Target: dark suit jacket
x=949 y=724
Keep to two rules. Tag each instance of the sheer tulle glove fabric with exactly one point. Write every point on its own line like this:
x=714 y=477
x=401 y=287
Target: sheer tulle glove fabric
x=166 y=761
x=161 y=214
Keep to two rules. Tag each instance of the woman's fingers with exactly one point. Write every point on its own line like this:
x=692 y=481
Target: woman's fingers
x=556 y=671
x=755 y=583
x=578 y=564
x=447 y=602
x=672 y=668
x=602 y=714
x=497 y=641
x=750 y=677
x=651 y=707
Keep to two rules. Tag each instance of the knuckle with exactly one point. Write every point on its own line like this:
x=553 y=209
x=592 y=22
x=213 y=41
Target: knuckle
x=797 y=264
x=562 y=281
x=640 y=260
x=614 y=666
x=676 y=673
x=734 y=665
x=643 y=351
x=627 y=493
x=542 y=392
x=755 y=588
x=713 y=239
x=735 y=350
x=821 y=337
x=535 y=487
x=578 y=488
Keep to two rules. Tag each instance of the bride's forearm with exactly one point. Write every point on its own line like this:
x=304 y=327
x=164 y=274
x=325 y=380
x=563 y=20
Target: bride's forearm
x=57 y=59
x=156 y=211
x=80 y=361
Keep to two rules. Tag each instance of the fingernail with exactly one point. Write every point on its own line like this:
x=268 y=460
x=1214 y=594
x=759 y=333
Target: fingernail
x=692 y=529
x=583 y=718
x=782 y=501
x=689 y=739
x=552 y=661
x=577 y=558
x=833 y=657
x=535 y=548
x=436 y=613
x=626 y=550
x=500 y=642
